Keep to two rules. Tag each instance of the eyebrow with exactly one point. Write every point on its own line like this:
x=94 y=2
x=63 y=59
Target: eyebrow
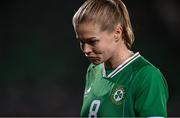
x=86 y=39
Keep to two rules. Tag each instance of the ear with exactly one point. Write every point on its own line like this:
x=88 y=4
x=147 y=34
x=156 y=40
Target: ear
x=118 y=32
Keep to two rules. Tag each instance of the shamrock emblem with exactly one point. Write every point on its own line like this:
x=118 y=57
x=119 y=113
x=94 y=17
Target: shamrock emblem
x=118 y=95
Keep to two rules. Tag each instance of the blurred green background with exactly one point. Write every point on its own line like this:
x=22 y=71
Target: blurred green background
x=42 y=69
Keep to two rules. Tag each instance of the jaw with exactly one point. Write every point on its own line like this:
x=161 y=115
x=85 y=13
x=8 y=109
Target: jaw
x=96 y=62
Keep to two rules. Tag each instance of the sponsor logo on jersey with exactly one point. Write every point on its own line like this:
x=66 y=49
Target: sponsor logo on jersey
x=118 y=95
x=87 y=91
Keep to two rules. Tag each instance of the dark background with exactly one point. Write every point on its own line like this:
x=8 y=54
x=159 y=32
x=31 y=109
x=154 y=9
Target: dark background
x=42 y=69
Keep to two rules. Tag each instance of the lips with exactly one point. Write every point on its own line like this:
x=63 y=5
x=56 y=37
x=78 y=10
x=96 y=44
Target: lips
x=92 y=58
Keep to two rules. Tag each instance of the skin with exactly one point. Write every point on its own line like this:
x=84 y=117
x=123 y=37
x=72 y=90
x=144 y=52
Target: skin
x=102 y=46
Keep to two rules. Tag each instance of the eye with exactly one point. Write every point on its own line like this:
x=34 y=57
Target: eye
x=92 y=42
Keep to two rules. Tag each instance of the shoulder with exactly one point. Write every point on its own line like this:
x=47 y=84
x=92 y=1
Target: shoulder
x=146 y=74
x=143 y=67
x=148 y=77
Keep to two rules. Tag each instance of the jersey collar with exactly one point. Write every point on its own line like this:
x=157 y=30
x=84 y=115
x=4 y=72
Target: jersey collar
x=121 y=66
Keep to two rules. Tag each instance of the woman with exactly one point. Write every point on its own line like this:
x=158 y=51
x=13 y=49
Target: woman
x=119 y=82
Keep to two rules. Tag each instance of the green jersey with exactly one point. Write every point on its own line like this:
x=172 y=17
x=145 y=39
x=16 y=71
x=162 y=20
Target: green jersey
x=135 y=88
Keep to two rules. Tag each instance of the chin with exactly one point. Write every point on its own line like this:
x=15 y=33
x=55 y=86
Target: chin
x=96 y=62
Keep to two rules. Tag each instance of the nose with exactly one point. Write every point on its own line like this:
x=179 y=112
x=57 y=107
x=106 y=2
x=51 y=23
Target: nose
x=86 y=49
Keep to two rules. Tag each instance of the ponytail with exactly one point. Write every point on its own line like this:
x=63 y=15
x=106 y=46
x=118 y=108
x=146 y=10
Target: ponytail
x=128 y=35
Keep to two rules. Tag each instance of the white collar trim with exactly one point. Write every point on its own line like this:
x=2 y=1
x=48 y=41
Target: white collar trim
x=121 y=66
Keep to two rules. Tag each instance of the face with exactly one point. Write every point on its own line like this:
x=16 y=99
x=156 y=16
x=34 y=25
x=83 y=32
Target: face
x=98 y=46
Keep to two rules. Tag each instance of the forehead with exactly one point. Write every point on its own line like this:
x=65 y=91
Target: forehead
x=87 y=29
x=87 y=26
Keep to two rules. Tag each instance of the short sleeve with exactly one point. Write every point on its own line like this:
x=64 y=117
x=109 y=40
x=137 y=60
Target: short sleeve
x=151 y=93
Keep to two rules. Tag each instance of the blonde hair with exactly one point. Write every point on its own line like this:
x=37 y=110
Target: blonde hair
x=108 y=14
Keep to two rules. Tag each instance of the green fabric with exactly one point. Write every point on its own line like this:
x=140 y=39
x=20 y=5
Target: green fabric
x=108 y=71
x=139 y=90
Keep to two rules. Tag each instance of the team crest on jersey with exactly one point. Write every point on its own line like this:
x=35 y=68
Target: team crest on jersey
x=118 y=95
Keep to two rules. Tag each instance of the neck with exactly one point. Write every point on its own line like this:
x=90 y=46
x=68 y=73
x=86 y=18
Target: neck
x=118 y=59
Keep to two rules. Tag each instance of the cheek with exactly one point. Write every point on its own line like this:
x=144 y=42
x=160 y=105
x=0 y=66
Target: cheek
x=106 y=46
x=103 y=52
x=109 y=51
x=99 y=49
